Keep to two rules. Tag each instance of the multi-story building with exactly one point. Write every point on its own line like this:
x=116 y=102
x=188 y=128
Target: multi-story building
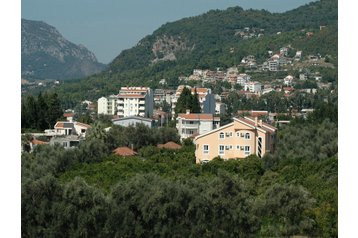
x=192 y=124
x=239 y=139
x=253 y=87
x=206 y=98
x=135 y=101
x=107 y=105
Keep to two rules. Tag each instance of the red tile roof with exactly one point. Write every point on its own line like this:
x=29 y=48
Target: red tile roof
x=82 y=124
x=170 y=145
x=124 y=151
x=38 y=142
x=68 y=114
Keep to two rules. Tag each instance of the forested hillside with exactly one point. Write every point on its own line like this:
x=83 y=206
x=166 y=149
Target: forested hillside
x=209 y=41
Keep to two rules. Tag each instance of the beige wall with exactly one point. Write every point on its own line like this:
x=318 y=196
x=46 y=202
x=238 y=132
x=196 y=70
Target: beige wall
x=213 y=141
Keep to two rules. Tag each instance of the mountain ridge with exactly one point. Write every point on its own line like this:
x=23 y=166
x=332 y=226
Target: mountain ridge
x=46 y=54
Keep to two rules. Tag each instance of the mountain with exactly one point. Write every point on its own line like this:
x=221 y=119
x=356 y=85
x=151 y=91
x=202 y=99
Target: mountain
x=46 y=54
x=209 y=41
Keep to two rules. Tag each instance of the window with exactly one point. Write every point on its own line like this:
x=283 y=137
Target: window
x=228 y=147
x=206 y=149
x=228 y=134
x=242 y=134
x=247 y=136
x=238 y=147
x=221 y=135
x=247 y=150
x=221 y=150
x=238 y=134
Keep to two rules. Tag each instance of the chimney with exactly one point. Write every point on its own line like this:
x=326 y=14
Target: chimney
x=187 y=111
x=260 y=123
x=255 y=121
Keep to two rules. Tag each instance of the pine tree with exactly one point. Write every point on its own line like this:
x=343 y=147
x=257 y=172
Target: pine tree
x=195 y=104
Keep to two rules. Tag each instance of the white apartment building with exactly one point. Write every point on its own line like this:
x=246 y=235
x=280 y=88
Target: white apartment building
x=253 y=87
x=135 y=101
x=107 y=105
x=193 y=124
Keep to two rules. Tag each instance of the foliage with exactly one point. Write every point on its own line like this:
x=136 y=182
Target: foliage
x=40 y=113
x=188 y=101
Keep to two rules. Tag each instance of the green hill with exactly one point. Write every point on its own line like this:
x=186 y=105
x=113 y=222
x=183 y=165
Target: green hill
x=209 y=41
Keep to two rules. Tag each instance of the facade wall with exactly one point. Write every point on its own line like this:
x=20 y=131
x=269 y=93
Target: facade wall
x=102 y=105
x=239 y=141
x=209 y=104
x=131 y=121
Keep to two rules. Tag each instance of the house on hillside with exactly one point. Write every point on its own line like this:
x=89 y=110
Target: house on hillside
x=243 y=137
x=66 y=128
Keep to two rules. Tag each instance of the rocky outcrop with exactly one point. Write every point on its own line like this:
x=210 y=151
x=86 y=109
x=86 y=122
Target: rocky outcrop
x=165 y=47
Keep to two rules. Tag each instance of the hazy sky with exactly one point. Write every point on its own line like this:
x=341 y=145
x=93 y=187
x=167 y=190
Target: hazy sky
x=106 y=27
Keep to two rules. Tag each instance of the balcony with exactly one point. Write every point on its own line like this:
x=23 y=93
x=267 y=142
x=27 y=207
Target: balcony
x=190 y=126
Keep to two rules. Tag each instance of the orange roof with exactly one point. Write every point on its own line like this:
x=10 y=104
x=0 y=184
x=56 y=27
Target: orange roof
x=199 y=90
x=59 y=124
x=68 y=114
x=251 y=121
x=196 y=116
x=83 y=124
x=124 y=151
x=170 y=145
x=38 y=142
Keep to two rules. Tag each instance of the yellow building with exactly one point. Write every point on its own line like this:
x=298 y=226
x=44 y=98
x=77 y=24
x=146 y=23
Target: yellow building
x=239 y=139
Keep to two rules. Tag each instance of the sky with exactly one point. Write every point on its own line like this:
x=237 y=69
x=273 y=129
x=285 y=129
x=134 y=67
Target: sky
x=107 y=27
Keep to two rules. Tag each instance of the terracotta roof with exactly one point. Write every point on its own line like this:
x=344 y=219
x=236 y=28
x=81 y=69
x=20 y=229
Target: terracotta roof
x=124 y=151
x=264 y=125
x=38 y=142
x=82 y=124
x=199 y=90
x=59 y=124
x=68 y=114
x=170 y=145
x=196 y=116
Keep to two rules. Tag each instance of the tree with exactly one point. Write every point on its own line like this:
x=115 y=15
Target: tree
x=195 y=104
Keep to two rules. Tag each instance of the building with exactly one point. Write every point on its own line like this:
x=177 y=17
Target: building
x=243 y=137
x=242 y=79
x=135 y=101
x=67 y=128
x=253 y=87
x=220 y=108
x=67 y=142
x=133 y=121
x=288 y=80
x=107 y=105
x=273 y=65
x=192 y=124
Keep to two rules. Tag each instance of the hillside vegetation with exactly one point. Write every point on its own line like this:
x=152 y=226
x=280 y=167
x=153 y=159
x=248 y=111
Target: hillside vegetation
x=90 y=192
x=209 y=41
